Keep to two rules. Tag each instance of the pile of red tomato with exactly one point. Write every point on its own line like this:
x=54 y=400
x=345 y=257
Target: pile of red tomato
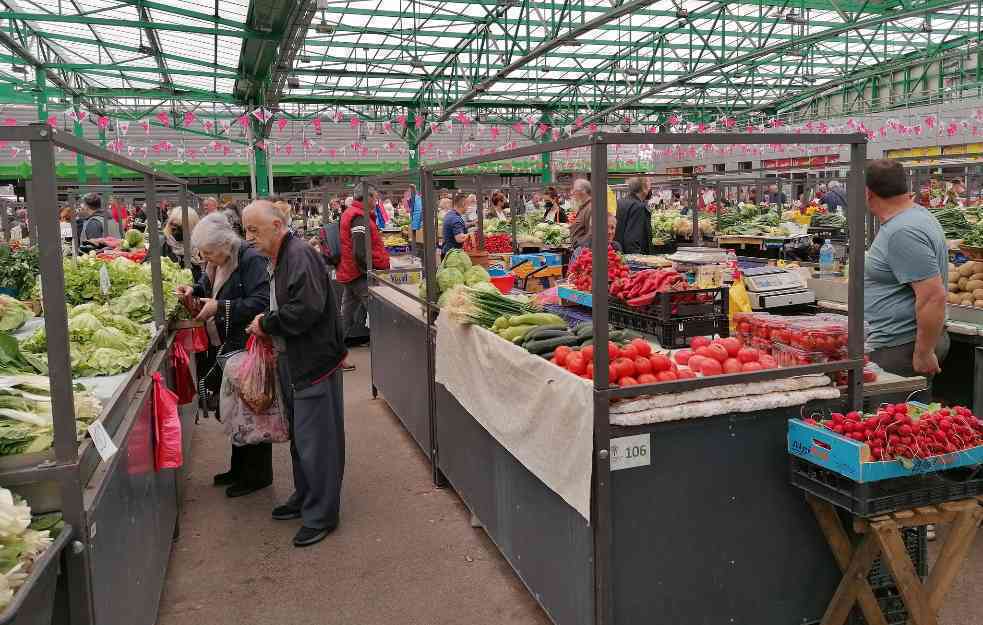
x=631 y=364
x=721 y=356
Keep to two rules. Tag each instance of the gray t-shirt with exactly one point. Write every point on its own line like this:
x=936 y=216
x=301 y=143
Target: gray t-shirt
x=909 y=247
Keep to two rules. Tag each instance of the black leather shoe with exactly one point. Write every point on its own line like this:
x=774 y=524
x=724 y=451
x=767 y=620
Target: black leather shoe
x=240 y=490
x=307 y=536
x=224 y=479
x=285 y=513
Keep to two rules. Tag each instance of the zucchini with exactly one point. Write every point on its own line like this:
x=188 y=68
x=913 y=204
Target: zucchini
x=547 y=355
x=548 y=345
x=586 y=327
x=547 y=331
x=589 y=341
x=536 y=319
x=510 y=334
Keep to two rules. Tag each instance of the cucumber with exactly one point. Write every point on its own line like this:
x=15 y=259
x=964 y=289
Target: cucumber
x=586 y=327
x=589 y=341
x=547 y=355
x=547 y=345
x=547 y=331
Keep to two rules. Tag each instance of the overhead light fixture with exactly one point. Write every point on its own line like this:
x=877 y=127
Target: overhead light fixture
x=293 y=82
x=682 y=12
x=18 y=69
x=507 y=3
x=416 y=62
x=926 y=26
x=323 y=4
x=145 y=50
x=544 y=68
x=571 y=43
x=631 y=70
x=324 y=28
x=795 y=52
x=794 y=18
x=304 y=59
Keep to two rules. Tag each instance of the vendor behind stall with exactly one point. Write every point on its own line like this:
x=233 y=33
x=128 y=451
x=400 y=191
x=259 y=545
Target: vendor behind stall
x=581 y=200
x=905 y=277
x=634 y=222
x=835 y=198
x=455 y=229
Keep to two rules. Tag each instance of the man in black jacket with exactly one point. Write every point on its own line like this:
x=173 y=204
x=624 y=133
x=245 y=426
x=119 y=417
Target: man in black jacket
x=303 y=324
x=634 y=230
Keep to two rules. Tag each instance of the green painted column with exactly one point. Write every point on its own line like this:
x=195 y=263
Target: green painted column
x=41 y=98
x=79 y=158
x=260 y=163
x=546 y=158
x=103 y=166
x=413 y=146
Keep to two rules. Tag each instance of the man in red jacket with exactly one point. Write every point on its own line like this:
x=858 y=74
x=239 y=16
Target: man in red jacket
x=351 y=272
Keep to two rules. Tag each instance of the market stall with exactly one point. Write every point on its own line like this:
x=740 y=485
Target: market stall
x=631 y=538
x=103 y=463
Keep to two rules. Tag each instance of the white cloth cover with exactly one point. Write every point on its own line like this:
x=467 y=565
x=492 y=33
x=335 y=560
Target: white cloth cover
x=539 y=412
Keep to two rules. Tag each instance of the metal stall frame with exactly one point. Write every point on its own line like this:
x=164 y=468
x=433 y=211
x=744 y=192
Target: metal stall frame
x=72 y=464
x=599 y=143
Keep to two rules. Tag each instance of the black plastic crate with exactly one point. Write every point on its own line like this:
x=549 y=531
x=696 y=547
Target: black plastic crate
x=670 y=334
x=916 y=543
x=892 y=607
x=675 y=305
x=876 y=498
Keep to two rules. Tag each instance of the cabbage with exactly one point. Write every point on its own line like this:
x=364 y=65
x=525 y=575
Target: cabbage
x=108 y=361
x=136 y=303
x=112 y=338
x=82 y=327
x=13 y=314
x=134 y=238
x=442 y=300
x=476 y=274
x=456 y=259
x=448 y=277
x=486 y=287
x=421 y=291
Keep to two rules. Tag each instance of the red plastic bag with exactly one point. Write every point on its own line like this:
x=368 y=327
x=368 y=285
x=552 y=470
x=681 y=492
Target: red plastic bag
x=167 y=427
x=257 y=374
x=183 y=382
x=199 y=340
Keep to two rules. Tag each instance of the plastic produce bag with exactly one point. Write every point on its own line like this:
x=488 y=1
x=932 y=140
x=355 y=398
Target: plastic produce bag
x=167 y=427
x=244 y=425
x=199 y=340
x=257 y=375
x=183 y=382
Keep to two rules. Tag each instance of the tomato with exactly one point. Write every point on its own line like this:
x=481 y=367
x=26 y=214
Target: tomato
x=685 y=374
x=628 y=382
x=667 y=376
x=683 y=356
x=869 y=376
x=590 y=369
x=768 y=361
x=642 y=366
x=626 y=368
x=732 y=365
x=752 y=366
x=561 y=353
x=587 y=352
x=703 y=351
x=696 y=362
x=660 y=363
x=613 y=351
x=732 y=345
x=647 y=378
x=699 y=341
x=629 y=351
x=744 y=327
x=718 y=352
x=576 y=364
x=711 y=367
x=642 y=347
x=747 y=354
x=613 y=373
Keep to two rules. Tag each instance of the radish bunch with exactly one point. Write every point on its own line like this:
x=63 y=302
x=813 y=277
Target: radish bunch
x=896 y=432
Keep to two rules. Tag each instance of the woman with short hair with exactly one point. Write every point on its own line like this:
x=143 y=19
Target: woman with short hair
x=234 y=288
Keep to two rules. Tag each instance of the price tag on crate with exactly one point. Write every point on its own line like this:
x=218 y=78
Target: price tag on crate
x=101 y=439
x=628 y=452
x=104 y=285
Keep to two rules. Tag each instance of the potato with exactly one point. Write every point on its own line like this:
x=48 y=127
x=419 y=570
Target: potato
x=962 y=283
x=953 y=287
x=954 y=298
x=978 y=303
x=978 y=294
x=952 y=267
x=967 y=269
x=976 y=276
x=966 y=299
x=972 y=285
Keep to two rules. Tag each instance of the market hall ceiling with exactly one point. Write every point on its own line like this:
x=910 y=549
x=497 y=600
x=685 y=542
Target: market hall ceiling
x=490 y=57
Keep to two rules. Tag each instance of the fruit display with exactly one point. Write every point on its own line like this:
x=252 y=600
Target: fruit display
x=905 y=432
x=966 y=283
x=580 y=270
x=394 y=240
x=494 y=243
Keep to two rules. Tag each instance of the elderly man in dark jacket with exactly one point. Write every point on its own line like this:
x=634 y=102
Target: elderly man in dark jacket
x=303 y=324
x=634 y=230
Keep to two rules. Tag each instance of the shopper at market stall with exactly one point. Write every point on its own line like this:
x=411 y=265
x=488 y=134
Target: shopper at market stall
x=210 y=205
x=455 y=229
x=634 y=220
x=95 y=224
x=905 y=277
x=835 y=198
x=580 y=198
x=176 y=232
x=554 y=207
x=302 y=321
x=774 y=196
x=352 y=268
x=499 y=206
x=414 y=205
x=234 y=287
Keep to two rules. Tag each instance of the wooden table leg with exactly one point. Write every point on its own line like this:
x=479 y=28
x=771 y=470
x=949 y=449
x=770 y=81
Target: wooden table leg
x=842 y=547
x=854 y=579
x=899 y=563
x=953 y=553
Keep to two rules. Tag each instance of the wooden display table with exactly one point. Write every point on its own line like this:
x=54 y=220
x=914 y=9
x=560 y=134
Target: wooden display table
x=882 y=536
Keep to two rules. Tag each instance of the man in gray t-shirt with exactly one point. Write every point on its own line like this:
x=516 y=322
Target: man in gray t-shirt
x=905 y=276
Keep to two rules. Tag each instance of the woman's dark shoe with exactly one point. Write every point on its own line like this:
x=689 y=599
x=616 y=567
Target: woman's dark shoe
x=224 y=479
x=240 y=490
x=285 y=513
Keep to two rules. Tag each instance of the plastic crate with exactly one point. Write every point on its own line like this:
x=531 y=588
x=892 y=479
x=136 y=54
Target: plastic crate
x=892 y=606
x=868 y=499
x=571 y=314
x=916 y=544
x=673 y=305
x=34 y=602
x=670 y=334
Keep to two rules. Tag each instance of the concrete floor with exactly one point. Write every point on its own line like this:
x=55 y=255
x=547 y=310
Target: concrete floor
x=405 y=553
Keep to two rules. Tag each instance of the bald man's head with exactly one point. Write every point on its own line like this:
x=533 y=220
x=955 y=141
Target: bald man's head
x=264 y=226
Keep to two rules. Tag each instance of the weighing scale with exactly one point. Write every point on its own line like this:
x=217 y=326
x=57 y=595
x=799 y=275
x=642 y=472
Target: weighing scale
x=773 y=287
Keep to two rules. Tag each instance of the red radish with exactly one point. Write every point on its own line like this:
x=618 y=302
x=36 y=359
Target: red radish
x=752 y=366
x=685 y=374
x=732 y=345
x=699 y=341
x=647 y=378
x=667 y=376
x=718 y=352
x=628 y=381
x=660 y=363
x=710 y=366
x=747 y=354
x=732 y=365
x=642 y=366
x=682 y=356
x=642 y=347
